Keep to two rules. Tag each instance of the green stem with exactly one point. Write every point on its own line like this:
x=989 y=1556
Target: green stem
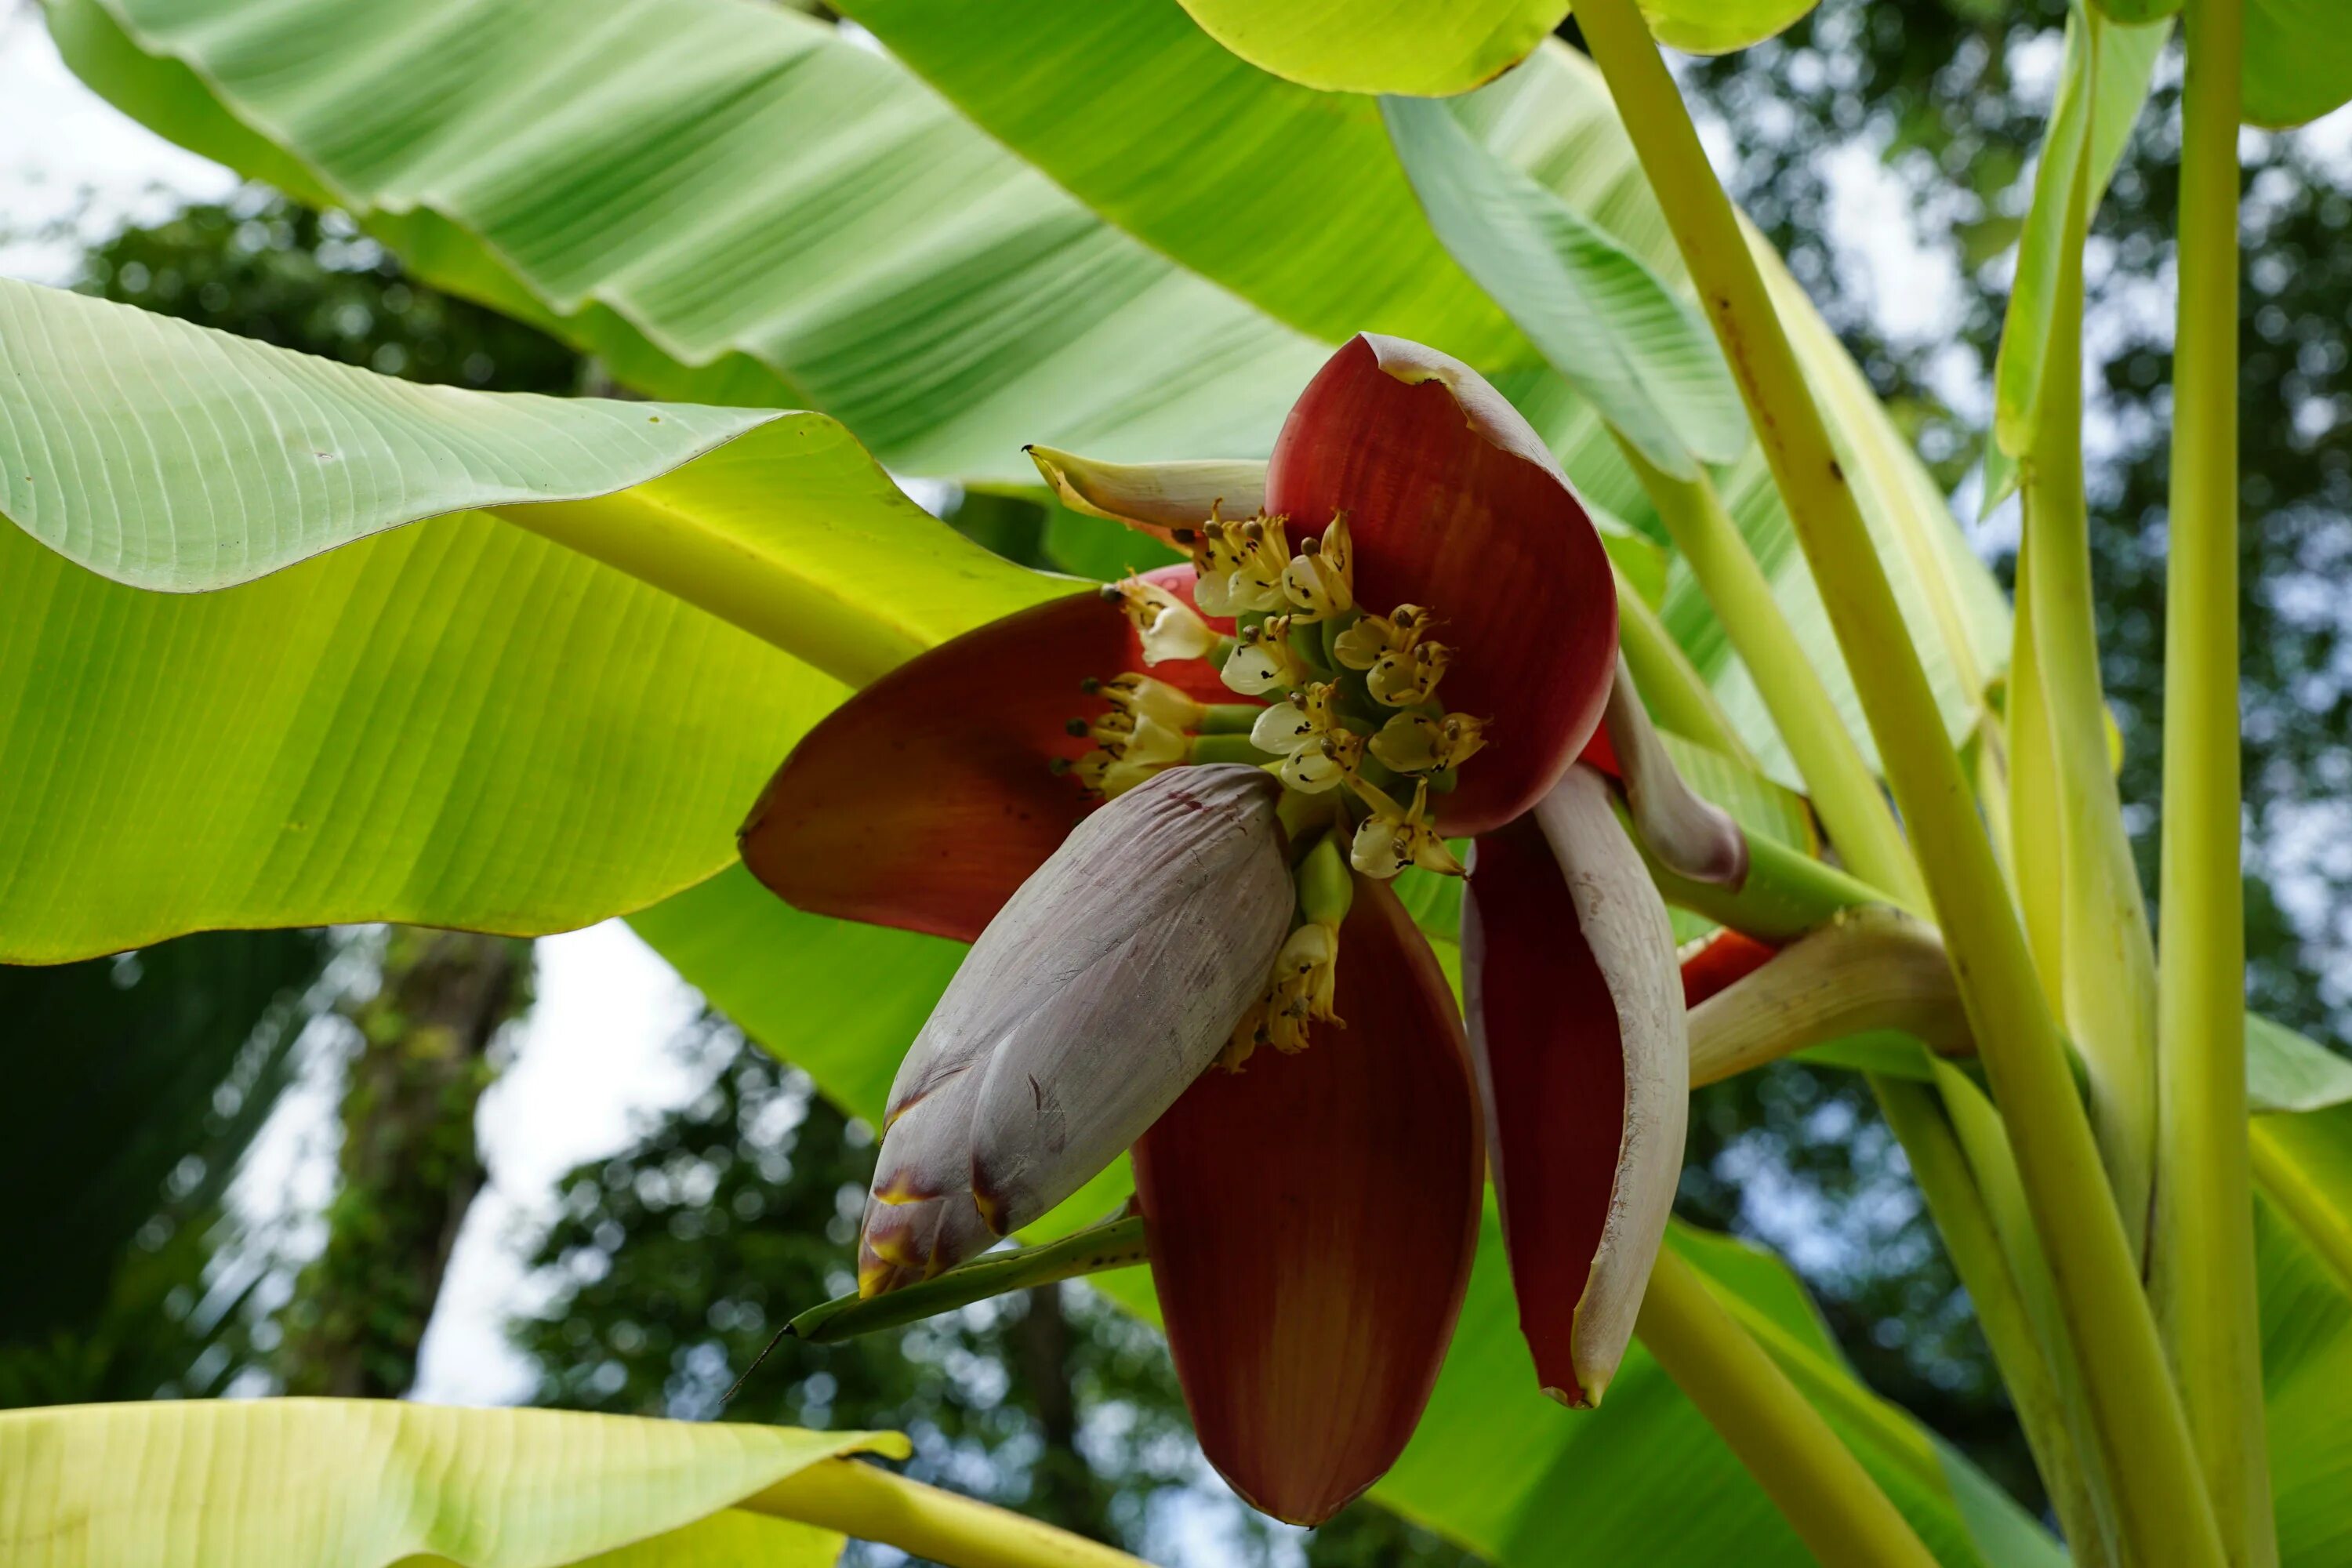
x=1842 y=788
x=2035 y=858
x=1956 y=1205
x=1785 y=894
x=1113 y=1244
x=1677 y=699
x=2107 y=995
x=1228 y=718
x=872 y=1504
x=1813 y=1478
x=2164 y=1514
x=2203 y=1278
x=1220 y=748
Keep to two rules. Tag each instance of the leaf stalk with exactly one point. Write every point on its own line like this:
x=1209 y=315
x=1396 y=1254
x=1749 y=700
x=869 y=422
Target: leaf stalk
x=1835 y=1505
x=2164 y=1515
x=2203 y=1265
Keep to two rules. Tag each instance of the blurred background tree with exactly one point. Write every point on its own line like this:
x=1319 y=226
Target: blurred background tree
x=669 y=1264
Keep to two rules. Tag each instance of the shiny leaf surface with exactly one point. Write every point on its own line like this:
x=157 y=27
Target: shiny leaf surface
x=698 y=191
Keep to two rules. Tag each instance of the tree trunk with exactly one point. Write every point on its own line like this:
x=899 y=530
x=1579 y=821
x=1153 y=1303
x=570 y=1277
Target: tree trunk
x=409 y=1166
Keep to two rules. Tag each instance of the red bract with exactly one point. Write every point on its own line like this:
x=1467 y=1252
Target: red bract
x=1311 y=1215
x=1576 y=1022
x=925 y=799
x=1312 y=1219
x=1721 y=959
x=1456 y=505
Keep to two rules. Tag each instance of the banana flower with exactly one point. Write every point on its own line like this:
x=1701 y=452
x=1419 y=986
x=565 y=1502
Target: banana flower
x=1398 y=634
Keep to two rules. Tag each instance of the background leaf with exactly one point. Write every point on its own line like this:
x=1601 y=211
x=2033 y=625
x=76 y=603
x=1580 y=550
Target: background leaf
x=2298 y=63
x=2303 y=1172
x=124 y=1074
x=374 y=1482
x=1287 y=197
x=2102 y=84
x=455 y=723
x=728 y=203
x=168 y=456
x=1427 y=47
x=1644 y=360
x=1719 y=26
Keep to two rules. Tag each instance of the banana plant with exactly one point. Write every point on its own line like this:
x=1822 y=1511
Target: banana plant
x=1528 y=523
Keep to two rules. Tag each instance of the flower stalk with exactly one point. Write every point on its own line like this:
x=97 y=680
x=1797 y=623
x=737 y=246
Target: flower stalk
x=2203 y=1265
x=1114 y=1243
x=2163 y=1512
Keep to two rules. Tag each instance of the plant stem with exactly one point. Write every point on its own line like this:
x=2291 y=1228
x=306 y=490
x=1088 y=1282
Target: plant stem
x=2035 y=860
x=1114 y=1244
x=1958 y=1207
x=1786 y=894
x=1811 y=1477
x=1869 y=970
x=1677 y=699
x=1842 y=788
x=2164 y=1515
x=2203 y=1278
x=2107 y=994
x=875 y=1504
x=1863 y=826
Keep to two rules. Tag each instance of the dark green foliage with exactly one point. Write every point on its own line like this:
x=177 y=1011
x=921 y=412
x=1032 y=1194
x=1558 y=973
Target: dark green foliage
x=136 y=1083
x=263 y=268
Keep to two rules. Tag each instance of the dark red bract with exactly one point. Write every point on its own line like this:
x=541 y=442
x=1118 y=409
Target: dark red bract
x=1457 y=506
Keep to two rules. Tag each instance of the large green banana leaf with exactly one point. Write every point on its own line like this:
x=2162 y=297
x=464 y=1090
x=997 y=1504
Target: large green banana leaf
x=662 y=216
x=729 y=203
x=370 y=1483
x=1495 y=1464
x=169 y=456
x=1133 y=112
x=456 y=723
